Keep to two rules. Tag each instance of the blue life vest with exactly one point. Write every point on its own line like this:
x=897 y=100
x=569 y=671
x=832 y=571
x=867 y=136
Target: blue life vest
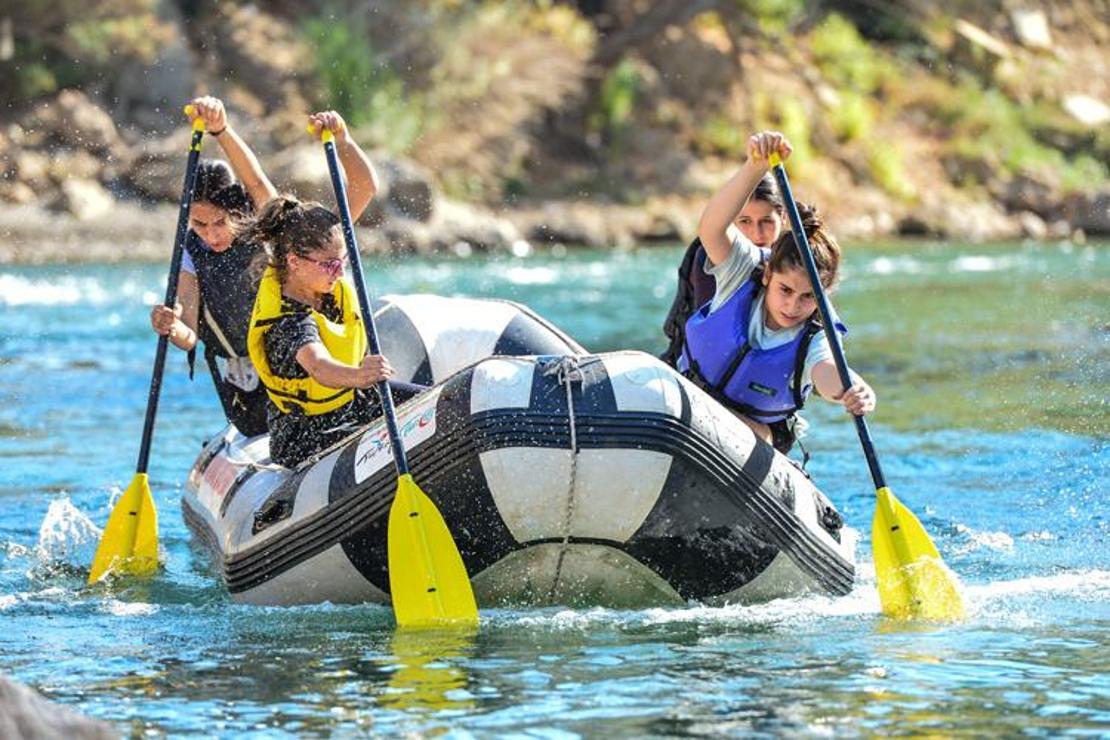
x=719 y=359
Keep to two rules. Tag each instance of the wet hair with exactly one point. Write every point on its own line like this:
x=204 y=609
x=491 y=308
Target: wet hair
x=286 y=226
x=216 y=185
x=826 y=252
x=767 y=191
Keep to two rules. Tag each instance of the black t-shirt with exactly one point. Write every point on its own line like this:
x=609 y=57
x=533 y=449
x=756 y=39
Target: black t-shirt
x=295 y=329
x=296 y=435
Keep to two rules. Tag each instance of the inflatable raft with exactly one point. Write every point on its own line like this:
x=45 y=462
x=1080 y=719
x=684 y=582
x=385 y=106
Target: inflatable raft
x=565 y=478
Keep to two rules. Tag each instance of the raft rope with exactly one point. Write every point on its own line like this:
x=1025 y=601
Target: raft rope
x=566 y=372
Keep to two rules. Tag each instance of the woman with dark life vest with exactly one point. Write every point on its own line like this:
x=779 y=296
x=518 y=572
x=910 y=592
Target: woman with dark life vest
x=217 y=284
x=758 y=346
x=307 y=337
x=761 y=220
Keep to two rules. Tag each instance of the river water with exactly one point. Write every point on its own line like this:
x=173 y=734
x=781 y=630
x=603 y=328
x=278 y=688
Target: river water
x=992 y=366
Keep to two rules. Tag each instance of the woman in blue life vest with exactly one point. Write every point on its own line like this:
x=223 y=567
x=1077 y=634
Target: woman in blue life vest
x=216 y=285
x=758 y=345
x=761 y=220
x=307 y=339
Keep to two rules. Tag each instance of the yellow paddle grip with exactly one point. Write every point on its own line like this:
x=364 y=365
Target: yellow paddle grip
x=774 y=160
x=325 y=136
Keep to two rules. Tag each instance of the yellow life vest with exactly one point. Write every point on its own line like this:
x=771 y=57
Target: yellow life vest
x=345 y=340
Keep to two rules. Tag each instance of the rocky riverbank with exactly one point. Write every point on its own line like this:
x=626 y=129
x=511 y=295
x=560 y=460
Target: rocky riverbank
x=602 y=125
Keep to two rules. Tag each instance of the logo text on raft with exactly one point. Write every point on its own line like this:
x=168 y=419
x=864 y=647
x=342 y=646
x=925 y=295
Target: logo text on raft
x=380 y=441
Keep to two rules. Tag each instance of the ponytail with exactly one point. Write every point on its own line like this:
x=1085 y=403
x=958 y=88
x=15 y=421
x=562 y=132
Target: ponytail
x=785 y=253
x=286 y=226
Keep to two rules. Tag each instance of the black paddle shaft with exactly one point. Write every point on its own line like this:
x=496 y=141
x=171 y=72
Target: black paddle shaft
x=804 y=249
x=400 y=459
x=171 y=297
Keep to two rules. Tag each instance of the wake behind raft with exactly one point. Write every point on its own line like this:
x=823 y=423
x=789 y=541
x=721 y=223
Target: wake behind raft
x=565 y=478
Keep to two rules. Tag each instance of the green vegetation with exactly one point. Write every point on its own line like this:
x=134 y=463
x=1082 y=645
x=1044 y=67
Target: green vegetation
x=69 y=43
x=846 y=58
x=372 y=97
x=616 y=101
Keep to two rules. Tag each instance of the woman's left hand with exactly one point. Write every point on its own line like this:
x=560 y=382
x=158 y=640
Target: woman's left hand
x=329 y=120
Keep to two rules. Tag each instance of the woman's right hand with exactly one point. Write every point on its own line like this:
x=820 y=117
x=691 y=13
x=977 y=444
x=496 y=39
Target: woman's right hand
x=163 y=319
x=372 y=370
x=211 y=111
x=763 y=144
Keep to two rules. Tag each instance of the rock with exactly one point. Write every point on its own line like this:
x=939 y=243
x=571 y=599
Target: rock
x=85 y=199
x=158 y=170
x=1028 y=193
x=302 y=170
x=407 y=189
x=32 y=168
x=24 y=714
x=1032 y=225
x=1087 y=110
x=1090 y=213
x=74 y=120
x=456 y=222
x=979 y=221
x=75 y=163
x=1031 y=28
x=980 y=45
x=13 y=191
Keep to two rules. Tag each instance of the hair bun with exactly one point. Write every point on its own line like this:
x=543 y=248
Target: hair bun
x=811 y=217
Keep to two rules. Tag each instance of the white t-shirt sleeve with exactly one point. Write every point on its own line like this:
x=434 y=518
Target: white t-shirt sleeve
x=187 y=262
x=736 y=268
x=819 y=351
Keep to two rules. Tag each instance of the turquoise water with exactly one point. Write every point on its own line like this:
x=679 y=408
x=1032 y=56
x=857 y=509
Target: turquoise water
x=991 y=365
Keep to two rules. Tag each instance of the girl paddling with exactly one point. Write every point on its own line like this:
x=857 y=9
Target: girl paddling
x=216 y=286
x=306 y=336
x=759 y=346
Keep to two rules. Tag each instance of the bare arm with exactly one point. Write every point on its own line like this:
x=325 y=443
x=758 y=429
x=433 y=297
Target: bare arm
x=362 y=178
x=318 y=362
x=180 y=323
x=239 y=155
x=725 y=206
x=859 y=399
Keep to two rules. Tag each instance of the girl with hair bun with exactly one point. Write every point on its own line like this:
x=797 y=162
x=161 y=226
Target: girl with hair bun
x=307 y=339
x=216 y=285
x=758 y=346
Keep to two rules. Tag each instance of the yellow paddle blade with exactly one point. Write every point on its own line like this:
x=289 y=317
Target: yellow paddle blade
x=913 y=581
x=129 y=544
x=427 y=577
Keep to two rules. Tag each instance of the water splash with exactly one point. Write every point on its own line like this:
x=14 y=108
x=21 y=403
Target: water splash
x=67 y=537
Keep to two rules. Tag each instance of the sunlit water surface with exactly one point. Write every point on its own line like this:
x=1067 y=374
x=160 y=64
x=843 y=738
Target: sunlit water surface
x=992 y=368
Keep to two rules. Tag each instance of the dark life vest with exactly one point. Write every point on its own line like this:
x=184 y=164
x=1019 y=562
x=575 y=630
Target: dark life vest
x=720 y=359
x=227 y=287
x=695 y=288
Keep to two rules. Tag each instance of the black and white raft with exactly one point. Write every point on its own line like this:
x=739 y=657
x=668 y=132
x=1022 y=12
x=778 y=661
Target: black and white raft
x=564 y=477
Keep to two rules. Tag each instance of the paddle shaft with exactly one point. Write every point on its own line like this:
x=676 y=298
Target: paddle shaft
x=826 y=315
x=400 y=459
x=171 y=296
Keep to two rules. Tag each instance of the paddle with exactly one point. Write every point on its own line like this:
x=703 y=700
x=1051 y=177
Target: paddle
x=913 y=581
x=427 y=578
x=129 y=545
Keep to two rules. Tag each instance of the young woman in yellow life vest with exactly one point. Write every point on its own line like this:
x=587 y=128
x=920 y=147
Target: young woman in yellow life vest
x=307 y=338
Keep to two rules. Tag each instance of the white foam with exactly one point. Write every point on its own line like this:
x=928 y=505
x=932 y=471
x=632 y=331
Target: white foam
x=65 y=290
x=66 y=535
x=980 y=263
x=997 y=541
x=532 y=275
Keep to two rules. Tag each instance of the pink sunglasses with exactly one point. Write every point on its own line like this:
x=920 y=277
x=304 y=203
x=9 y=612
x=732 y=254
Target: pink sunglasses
x=333 y=266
